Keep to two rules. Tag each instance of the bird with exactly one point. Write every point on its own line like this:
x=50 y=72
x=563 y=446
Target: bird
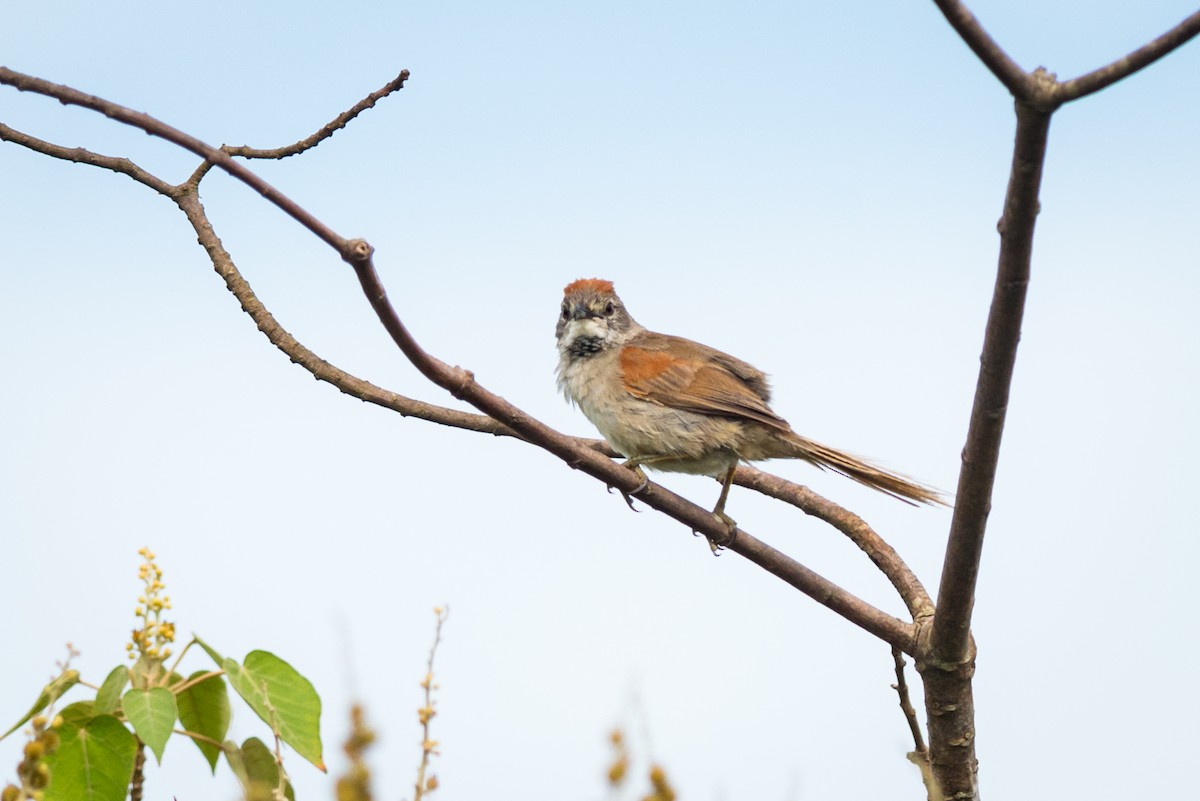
x=674 y=405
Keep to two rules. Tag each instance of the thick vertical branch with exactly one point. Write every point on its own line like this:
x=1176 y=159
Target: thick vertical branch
x=973 y=502
x=947 y=661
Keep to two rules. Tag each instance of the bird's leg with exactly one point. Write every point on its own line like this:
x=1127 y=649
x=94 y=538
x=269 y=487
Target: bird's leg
x=636 y=466
x=719 y=509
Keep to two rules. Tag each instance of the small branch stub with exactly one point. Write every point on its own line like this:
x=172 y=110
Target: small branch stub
x=358 y=251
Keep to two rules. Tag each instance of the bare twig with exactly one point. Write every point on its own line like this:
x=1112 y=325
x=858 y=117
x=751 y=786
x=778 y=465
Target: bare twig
x=80 y=156
x=985 y=47
x=910 y=714
x=919 y=756
x=311 y=141
x=326 y=131
x=348 y=249
x=1122 y=68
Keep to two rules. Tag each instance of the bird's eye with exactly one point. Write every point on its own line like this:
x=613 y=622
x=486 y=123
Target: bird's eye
x=566 y=313
x=609 y=309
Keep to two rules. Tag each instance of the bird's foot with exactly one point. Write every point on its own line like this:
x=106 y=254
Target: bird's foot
x=713 y=544
x=628 y=496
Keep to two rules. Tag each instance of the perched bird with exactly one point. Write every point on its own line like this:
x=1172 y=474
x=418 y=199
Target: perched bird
x=671 y=404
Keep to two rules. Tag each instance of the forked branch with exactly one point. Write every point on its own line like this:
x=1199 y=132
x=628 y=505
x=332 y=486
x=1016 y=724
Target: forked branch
x=578 y=454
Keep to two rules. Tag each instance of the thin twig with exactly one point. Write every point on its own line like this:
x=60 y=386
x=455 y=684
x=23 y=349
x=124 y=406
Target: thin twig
x=426 y=713
x=910 y=714
x=919 y=756
x=348 y=249
x=187 y=684
x=195 y=735
x=1122 y=68
x=985 y=47
x=282 y=779
x=80 y=156
x=326 y=131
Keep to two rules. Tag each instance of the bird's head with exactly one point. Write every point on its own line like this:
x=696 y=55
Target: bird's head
x=592 y=319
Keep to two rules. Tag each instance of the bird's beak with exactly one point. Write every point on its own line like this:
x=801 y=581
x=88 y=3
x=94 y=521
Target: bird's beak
x=582 y=312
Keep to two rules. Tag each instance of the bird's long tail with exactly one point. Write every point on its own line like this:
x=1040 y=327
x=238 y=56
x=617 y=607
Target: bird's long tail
x=862 y=471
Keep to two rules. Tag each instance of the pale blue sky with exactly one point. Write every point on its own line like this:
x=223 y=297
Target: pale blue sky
x=811 y=187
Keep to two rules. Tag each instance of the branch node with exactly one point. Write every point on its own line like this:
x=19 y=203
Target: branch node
x=463 y=379
x=357 y=251
x=1044 y=92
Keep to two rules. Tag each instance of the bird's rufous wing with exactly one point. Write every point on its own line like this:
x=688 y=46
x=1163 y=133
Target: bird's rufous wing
x=695 y=385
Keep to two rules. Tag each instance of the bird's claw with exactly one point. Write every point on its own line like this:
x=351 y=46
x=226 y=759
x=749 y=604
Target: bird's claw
x=717 y=547
x=628 y=496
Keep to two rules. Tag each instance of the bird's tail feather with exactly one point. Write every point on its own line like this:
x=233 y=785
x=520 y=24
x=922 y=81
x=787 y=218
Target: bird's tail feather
x=862 y=471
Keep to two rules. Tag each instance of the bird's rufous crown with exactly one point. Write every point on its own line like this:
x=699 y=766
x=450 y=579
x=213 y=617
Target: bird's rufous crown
x=593 y=284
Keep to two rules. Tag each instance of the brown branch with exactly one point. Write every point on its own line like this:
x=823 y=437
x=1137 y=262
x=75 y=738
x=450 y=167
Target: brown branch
x=947 y=659
x=336 y=124
x=914 y=595
x=1122 y=68
x=138 y=780
x=186 y=198
x=882 y=554
x=956 y=592
x=80 y=156
x=461 y=383
x=314 y=364
x=910 y=714
x=1008 y=72
x=73 y=97
x=919 y=756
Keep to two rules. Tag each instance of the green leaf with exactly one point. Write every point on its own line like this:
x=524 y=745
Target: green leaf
x=78 y=714
x=283 y=698
x=50 y=693
x=92 y=763
x=204 y=709
x=256 y=769
x=152 y=714
x=108 y=698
